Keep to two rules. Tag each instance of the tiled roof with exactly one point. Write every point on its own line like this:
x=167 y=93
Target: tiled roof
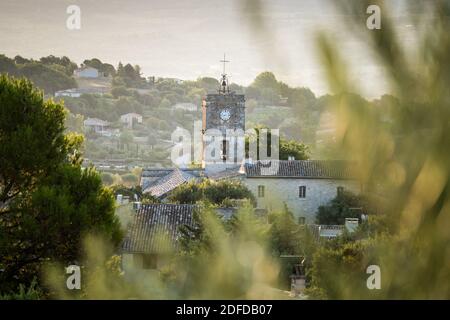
x=226 y=174
x=319 y=169
x=155 y=228
x=168 y=183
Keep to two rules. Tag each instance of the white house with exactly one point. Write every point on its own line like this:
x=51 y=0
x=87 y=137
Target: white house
x=96 y=125
x=86 y=72
x=303 y=185
x=131 y=118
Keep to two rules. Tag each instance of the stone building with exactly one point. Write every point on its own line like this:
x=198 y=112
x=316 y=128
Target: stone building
x=303 y=185
x=223 y=126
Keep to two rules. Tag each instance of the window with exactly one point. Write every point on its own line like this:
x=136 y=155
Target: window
x=149 y=261
x=302 y=192
x=340 y=190
x=261 y=191
x=301 y=220
x=224 y=149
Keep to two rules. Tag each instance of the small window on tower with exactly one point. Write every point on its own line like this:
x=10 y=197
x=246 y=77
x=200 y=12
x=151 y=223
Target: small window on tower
x=224 y=149
x=261 y=191
x=302 y=192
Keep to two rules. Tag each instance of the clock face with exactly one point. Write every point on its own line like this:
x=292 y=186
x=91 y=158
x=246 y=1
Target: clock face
x=225 y=114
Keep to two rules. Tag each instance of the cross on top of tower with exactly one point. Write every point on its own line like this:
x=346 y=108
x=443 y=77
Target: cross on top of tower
x=224 y=61
x=224 y=82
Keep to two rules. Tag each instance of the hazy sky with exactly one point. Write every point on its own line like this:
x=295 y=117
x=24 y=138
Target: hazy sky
x=187 y=38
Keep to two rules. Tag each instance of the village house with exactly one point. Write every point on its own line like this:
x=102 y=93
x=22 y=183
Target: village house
x=152 y=235
x=130 y=119
x=96 y=125
x=154 y=232
x=301 y=185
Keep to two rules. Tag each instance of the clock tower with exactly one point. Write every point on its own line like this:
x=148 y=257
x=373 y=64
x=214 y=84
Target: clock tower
x=223 y=126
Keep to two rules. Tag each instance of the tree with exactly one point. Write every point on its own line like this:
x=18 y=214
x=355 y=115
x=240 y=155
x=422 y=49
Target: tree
x=32 y=143
x=107 y=178
x=266 y=80
x=48 y=203
x=284 y=233
x=215 y=192
x=47 y=78
x=190 y=192
x=165 y=103
x=104 y=68
x=286 y=148
x=292 y=148
x=341 y=206
x=120 y=91
x=130 y=179
x=7 y=65
x=126 y=137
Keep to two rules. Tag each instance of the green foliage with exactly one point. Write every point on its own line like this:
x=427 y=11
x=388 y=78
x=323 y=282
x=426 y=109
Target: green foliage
x=240 y=246
x=341 y=207
x=287 y=148
x=120 y=91
x=215 y=192
x=298 y=150
x=49 y=224
x=64 y=62
x=413 y=182
x=107 y=178
x=32 y=143
x=339 y=273
x=130 y=76
x=130 y=179
x=47 y=201
x=266 y=80
x=50 y=74
x=285 y=233
x=104 y=68
x=190 y=192
x=33 y=292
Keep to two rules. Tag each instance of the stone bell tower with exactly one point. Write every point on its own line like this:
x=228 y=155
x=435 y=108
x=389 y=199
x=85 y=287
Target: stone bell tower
x=223 y=127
